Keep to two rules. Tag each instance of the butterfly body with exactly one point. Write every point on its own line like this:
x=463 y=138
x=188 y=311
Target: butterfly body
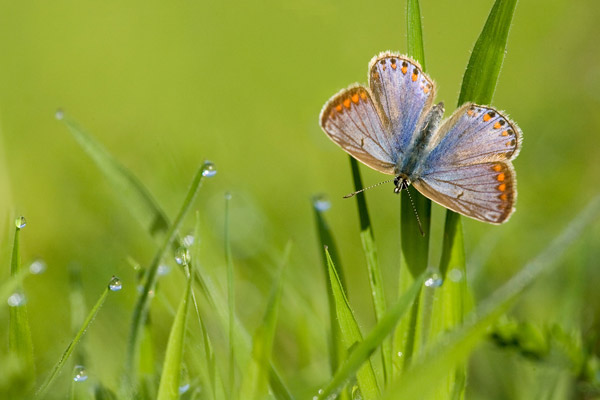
x=462 y=163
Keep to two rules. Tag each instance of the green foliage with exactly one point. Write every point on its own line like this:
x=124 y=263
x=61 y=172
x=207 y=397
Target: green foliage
x=356 y=336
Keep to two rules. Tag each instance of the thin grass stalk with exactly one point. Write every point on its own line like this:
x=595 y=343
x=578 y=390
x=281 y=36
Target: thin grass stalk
x=373 y=268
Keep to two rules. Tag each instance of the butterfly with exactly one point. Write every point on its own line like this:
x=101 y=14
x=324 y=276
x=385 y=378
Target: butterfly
x=462 y=163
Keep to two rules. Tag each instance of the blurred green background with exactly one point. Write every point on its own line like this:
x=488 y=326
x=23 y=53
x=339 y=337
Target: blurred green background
x=166 y=85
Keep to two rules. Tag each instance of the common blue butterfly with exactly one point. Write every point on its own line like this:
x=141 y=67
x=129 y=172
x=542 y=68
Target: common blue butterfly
x=463 y=163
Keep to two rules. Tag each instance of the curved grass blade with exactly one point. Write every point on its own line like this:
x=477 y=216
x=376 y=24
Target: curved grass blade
x=65 y=356
x=336 y=348
x=481 y=75
x=141 y=307
x=373 y=269
x=138 y=199
x=362 y=351
x=457 y=345
x=168 y=388
x=19 y=332
x=351 y=335
x=256 y=375
x=230 y=299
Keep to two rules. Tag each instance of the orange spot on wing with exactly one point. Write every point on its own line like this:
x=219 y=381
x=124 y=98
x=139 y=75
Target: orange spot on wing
x=470 y=112
x=497 y=125
x=500 y=177
x=347 y=103
x=355 y=98
x=363 y=95
x=502 y=187
x=404 y=70
x=394 y=66
x=339 y=107
x=426 y=89
x=503 y=197
x=414 y=77
x=497 y=167
x=486 y=117
x=504 y=133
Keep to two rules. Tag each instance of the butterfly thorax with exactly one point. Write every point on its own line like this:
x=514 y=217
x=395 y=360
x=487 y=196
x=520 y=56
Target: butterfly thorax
x=408 y=168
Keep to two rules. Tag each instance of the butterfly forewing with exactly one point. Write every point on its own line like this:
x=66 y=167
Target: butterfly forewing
x=475 y=134
x=403 y=92
x=351 y=120
x=485 y=191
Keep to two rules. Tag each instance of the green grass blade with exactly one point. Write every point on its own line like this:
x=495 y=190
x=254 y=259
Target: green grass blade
x=256 y=375
x=141 y=307
x=481 y=75
x=351 y=335
x=19 y=332
x=362 y=351
x=230 y=299
x=456 y=346
x=168 y=388
x=416 y=49
x=65 y=356
x=139 y=201
x=216 y=308
x=373 y=269
x=336 y=347
x=13 y=283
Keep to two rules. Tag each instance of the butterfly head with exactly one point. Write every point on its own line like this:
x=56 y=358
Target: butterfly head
x=402 y=182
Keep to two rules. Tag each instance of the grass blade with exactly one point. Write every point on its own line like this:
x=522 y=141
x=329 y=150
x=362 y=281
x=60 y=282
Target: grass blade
x=169 y=380
x=336 y=347
x=230 y=299
x=139 y=201
x=351 y=335
x=481 y=75
x=373 y=269
x=19 y=332
x=457 y=345
x=65 y=356
x=141 y=307
x=256 y=375
x=364 y=349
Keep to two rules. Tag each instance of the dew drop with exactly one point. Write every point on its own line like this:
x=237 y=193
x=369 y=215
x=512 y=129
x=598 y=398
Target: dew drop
x=16 y=299
x=321 y=203
x=20 y=222
x=37 y=267
x=163 y=270
x=80 y=374
x=455 y=275
x=227 y=195
x=182 y=256
x=209 y=170
x=115 y=284
x=59 y=114
x=400 y=354
x=434 y=281
x=184 y=388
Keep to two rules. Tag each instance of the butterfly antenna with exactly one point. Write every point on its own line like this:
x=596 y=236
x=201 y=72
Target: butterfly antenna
x=415 y=210
x=368 y=187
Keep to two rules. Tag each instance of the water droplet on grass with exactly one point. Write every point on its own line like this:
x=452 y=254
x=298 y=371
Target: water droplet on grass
x=59 y=114
x=455 y=275
x=115 y=284
x=182 y=256
x=16 y=300
x=184 y=388
x=434 y=281
x=20 y=222
x=80 y=374
x=321 y=203
x=188 y=240
x=37 y=267
x=209 y=170
x=163 y=270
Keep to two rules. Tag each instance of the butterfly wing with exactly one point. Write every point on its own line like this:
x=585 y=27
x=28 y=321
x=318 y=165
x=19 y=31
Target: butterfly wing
x=352 y=121
x=468 y=168
x=404 y=93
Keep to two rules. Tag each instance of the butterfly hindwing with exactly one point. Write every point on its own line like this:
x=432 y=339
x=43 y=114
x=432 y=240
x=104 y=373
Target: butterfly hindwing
x=352 y=121
x=485 y=191
x=404 y=93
